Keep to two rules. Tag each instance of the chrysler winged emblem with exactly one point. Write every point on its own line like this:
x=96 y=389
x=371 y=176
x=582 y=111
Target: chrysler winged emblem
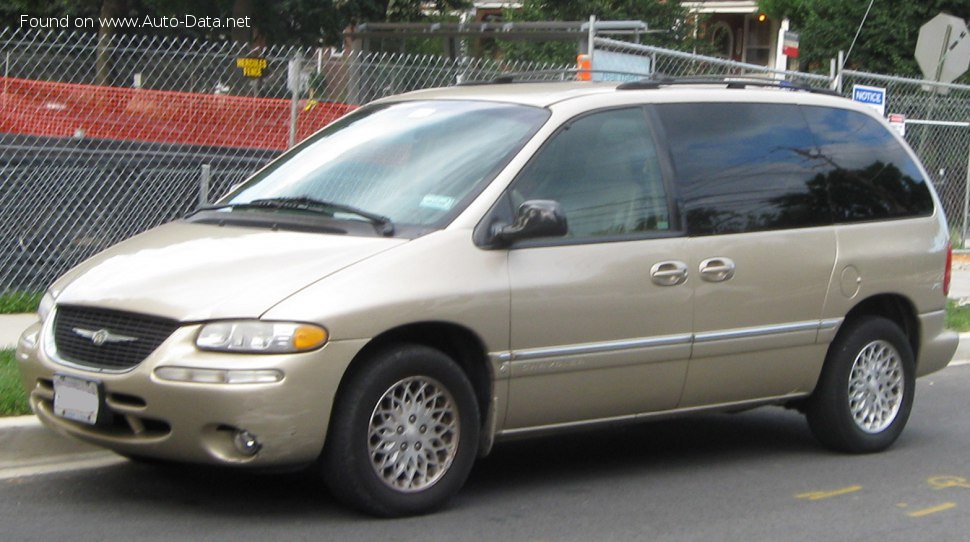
x=101 y=336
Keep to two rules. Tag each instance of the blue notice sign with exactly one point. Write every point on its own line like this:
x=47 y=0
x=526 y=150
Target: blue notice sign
x=874 y=97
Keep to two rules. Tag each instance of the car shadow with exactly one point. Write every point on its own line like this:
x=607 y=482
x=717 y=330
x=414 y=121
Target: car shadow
x=692 y=443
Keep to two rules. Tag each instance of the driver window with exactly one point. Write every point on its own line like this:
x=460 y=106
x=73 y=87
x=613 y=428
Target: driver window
x=604 y=172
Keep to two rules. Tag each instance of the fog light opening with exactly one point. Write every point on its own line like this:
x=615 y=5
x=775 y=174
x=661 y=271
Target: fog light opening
x=246 y=443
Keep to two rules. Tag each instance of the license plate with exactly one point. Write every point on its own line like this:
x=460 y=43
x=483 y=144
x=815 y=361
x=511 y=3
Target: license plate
x=76 y=399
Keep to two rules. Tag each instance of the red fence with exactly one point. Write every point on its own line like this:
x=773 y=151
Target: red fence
x=68 y=110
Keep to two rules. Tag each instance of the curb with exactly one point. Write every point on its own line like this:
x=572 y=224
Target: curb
x=17 y=422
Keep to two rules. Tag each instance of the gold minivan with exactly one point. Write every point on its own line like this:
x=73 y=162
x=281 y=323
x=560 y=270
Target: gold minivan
x=444 y=269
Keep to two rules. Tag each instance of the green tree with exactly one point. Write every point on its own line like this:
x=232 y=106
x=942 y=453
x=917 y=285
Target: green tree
x=886 y=43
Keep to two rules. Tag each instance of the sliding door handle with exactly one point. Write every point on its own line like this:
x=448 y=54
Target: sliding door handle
x=669 y=273
x=717 y=269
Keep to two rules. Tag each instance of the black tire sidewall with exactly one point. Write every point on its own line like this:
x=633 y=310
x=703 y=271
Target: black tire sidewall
x=347 y=463
x=828 y=409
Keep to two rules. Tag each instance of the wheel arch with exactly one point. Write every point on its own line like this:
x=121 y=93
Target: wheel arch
x=458 y=342
x=897 y=309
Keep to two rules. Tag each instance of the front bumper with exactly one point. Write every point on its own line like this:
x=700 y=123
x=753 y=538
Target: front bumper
x=193 y=422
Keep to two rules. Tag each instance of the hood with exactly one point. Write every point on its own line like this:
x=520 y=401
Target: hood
x=191 y=272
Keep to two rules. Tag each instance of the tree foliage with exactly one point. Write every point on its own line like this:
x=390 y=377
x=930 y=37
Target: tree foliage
x=886 y=43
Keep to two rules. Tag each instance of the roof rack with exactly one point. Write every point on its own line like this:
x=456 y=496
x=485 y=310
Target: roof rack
x=655 y=81
x=528 y=76
x=729 y=82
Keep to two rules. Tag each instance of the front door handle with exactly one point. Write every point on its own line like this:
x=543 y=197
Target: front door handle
x=669 y=273
x=717 y=269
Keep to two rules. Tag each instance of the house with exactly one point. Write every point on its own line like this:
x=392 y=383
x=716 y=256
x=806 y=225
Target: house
x=741 y=32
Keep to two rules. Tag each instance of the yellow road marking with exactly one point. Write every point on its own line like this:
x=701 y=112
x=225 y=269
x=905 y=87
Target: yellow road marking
x=932 y=510
x=945 y=482
x=819 y=495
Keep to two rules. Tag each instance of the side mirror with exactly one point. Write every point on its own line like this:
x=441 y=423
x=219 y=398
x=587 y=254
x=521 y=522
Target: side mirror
x=535 y=218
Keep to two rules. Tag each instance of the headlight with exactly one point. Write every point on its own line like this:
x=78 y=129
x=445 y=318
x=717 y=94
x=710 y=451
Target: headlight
x=255 y=336
x=46 y=304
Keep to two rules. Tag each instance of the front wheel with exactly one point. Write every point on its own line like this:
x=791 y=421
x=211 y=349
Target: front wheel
x=865 y=393
x=404 y=433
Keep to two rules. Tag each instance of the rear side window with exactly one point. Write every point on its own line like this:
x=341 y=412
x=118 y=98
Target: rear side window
x=870 y=175
x=745 y=167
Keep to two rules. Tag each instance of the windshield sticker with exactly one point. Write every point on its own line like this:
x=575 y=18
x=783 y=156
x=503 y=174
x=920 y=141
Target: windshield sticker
x=439 y=203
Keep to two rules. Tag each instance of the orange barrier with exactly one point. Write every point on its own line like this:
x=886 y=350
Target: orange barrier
x=69 y=110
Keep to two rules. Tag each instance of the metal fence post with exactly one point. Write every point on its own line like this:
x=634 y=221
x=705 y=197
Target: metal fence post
x=204 y=180
x=293 y=80
x=966 y=202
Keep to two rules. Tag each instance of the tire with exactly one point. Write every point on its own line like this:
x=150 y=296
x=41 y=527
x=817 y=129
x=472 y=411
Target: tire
x=865 y=392
x=391 y=456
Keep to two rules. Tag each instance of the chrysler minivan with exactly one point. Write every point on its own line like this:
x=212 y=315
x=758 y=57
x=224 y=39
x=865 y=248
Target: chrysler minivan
x=438 y=271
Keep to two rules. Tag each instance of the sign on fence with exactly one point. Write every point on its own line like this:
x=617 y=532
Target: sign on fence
x=874 y=97
x=790 y=46
x=898 y=122
x=252 y=66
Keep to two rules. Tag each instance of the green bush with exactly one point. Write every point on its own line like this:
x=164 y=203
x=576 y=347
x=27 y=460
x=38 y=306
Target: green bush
x=16 y=302
x=957 y=317
x=13 y=399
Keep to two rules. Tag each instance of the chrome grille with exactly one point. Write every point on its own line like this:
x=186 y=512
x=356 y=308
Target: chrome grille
x=108 y=339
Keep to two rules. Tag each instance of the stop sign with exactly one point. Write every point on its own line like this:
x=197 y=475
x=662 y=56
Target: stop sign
x=943 y=48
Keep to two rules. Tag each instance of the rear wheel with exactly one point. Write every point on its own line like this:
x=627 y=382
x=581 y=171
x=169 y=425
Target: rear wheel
x=865 y=393
x=404 y=434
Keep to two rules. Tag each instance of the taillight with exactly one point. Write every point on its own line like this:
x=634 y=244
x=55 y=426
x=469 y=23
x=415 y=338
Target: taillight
x=947 y=273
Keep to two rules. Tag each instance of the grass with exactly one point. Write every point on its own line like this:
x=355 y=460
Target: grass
x=14 y=302
x=957 y=317
x=13 y=399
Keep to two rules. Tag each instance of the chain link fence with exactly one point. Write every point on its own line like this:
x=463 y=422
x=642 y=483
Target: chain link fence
x=937 y=127
x=668 y=63
x=101 y=140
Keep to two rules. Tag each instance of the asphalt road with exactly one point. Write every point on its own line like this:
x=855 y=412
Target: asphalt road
x=757 y=475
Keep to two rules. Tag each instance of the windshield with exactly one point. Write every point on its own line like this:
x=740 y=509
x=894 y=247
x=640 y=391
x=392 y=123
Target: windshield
x=416 y=163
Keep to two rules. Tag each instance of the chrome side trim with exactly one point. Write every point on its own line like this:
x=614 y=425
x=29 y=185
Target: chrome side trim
x=600 y=347
x=500 y=357
x=933 y=314
x=644 y=416
x=832 y=323
x=667 y=340
x=759 y=331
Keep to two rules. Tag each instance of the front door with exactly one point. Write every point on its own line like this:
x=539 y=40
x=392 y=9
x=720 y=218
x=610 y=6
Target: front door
x=601 y=318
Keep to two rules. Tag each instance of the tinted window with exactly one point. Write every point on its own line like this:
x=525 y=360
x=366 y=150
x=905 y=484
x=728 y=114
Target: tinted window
x=870 y=175
x=745 y=167
x=604 y=172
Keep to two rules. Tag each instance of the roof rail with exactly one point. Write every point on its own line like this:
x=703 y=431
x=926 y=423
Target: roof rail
x=528 y=76
x=728 y=81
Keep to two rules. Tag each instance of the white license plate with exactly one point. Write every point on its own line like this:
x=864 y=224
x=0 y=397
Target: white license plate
x=76 y=399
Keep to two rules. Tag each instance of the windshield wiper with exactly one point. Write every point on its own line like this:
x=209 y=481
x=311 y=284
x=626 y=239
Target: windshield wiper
x=382 y=224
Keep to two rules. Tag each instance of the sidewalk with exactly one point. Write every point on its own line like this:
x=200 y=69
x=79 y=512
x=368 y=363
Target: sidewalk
x=27 y=448
x=11 y=326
